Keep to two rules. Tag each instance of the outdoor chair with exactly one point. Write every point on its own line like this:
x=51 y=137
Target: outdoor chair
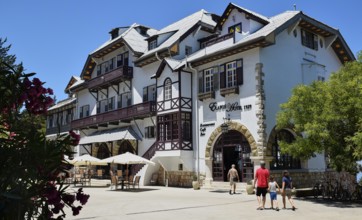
x=154 y=179
x=129 y=181
x=100 y=173
x=114 y=182
x=136 y=182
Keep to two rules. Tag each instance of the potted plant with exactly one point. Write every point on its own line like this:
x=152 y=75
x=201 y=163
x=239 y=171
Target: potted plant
x=250 y=187
x=195 y=183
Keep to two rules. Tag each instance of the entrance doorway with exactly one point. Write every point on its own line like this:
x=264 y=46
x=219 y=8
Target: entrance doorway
x=232 y=148
x=103 y=152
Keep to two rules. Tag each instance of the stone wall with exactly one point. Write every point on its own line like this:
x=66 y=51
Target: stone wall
x=175 y=178
x=306 y=179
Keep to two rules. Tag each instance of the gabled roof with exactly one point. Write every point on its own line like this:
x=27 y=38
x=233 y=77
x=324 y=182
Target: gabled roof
x=73 y=83
x=63 y=103
x=249 y=14
x=171 y=63
x=180 y=29
x=128 y=36
x=266 y=36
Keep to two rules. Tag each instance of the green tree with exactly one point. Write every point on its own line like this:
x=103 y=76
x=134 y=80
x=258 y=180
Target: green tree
x=328 y=117
x=31 y=184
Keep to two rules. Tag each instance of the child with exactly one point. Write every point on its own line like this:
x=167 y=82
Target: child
x=273 y=185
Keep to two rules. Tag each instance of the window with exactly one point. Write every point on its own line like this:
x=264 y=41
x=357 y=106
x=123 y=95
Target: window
x=99 y=71
x=208 y=80
x=122 y=59
x=208 y=76
x=169 y=126
x=231 y=74
x=235 y=28
x=167 y=89
x=84 y=111
x=111 y=103
x=50 y=121
x=68 y=117
x=150 y=132
x=309 y=40
x=186 y=126
x=124 y=100
x=149 y=93
x=188 y=50
x=283 y=161
x=152 y=44
x=111 y=63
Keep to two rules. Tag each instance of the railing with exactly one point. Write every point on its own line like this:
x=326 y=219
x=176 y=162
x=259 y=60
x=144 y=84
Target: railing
x=135 y=111
x=116 y=75
x=219 y=39
x=56 y=130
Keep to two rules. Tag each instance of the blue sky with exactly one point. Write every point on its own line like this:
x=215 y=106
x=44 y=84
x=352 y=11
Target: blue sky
x=53 y=38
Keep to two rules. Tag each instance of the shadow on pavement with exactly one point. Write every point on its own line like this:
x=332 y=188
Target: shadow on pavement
x=332 y=203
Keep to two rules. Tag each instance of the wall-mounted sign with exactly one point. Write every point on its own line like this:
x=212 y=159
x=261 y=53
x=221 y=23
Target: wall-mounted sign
x=203 y=128
x=229 y=107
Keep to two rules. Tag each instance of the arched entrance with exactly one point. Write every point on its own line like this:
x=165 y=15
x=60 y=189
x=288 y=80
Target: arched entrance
x=103 y=152
x=232 y=148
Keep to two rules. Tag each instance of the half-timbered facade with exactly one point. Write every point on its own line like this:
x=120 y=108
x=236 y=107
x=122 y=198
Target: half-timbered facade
x=202 y=93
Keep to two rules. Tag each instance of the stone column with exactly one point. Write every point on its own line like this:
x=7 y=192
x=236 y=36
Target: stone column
x=208 y=172
x=260 y=111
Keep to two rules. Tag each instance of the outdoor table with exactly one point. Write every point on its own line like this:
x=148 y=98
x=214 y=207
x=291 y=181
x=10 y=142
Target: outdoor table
x=121 y=178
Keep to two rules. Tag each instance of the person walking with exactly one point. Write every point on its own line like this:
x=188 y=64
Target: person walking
x=233 y=178
x=273 y=186
x=261 y=181
x=287 y=186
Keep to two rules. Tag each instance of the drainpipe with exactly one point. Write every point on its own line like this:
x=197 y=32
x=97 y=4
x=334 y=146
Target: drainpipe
x=157 y=57
x=197 y=122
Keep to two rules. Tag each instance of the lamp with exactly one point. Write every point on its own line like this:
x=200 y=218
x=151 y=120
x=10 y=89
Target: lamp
x=225 y=126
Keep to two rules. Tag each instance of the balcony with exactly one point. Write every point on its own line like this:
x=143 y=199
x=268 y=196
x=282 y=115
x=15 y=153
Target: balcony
x=219 y=39
x=206 y=95
x=127 y=114
x=56 y=130
x=113 y=77
x=229 y=90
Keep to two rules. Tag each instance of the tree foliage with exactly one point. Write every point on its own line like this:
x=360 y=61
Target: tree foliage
x=328 y=115
x=31 y=184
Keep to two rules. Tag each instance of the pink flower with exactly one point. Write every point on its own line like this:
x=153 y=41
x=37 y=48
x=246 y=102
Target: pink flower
x=76 y=210
x=74 y=137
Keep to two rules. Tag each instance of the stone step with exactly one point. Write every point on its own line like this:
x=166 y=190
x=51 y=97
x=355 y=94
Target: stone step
x=225 y=186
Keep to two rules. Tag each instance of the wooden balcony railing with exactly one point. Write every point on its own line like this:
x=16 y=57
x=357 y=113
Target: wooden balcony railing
x=117 y=75
x=219 y=39
x=56 y=130
x=138 y=111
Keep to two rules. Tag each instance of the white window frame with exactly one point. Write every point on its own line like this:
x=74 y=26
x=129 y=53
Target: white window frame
x=208 y=80
x=230 y=69
x=168 y=89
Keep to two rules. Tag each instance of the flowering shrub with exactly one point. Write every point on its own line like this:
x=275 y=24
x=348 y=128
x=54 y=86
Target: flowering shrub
x=31 y=184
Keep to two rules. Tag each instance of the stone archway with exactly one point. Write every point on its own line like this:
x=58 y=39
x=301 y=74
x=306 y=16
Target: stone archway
x=272 y=136
x=232 y=126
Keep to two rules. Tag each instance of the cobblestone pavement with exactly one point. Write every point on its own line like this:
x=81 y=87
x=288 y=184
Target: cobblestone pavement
x=159 y=203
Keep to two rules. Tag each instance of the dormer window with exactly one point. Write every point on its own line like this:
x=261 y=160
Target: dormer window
x=188 y=50
x=235 y=28
x=309 y=40
x=152 y=44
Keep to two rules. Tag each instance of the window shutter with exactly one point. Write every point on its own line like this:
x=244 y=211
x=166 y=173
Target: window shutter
x=304 y=40
x=215 y=78
x=201 y=82
x=145 y=96
x=239 y=72
x=222 y=77
x=152 y=135
x=315 y=42
x=125 y=56
x=146 y=132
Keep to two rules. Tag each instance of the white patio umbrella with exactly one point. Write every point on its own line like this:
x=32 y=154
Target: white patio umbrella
x=86 y=159
x=128 y=158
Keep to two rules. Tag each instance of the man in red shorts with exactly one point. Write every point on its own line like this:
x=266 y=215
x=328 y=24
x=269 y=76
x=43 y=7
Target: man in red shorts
x=261 y=181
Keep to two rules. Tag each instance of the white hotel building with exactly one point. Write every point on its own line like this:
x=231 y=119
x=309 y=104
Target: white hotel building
x=166 y=94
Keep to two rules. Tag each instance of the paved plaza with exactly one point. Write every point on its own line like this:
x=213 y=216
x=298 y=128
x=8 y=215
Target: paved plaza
x=153 y=202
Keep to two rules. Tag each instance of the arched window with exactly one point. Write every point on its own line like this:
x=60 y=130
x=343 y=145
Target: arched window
x=283 y=161
x=167 y=89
